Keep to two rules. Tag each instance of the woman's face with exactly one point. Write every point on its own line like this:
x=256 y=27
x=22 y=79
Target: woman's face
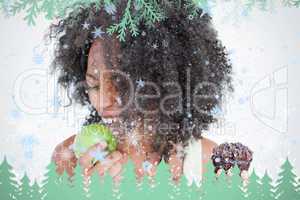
x=102 y=92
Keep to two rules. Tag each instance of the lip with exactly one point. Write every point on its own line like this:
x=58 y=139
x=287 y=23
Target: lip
x=110 y=112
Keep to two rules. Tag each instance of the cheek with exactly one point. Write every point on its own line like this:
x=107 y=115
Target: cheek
x=94 y=99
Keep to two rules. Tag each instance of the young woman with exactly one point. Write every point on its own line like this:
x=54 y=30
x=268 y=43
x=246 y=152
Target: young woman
x=156 y=91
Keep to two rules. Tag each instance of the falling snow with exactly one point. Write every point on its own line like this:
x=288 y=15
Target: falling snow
x=140 y=83
x=97 y=33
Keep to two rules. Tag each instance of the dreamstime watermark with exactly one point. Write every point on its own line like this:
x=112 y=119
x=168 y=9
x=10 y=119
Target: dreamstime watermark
x=185 y=101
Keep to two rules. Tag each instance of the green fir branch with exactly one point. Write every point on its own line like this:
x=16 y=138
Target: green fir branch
x=48 y=6
x=150 y=13
x=18 y=6
x=288 y=3
x=249 y=5
x=126 y=20
x=1 y=4
x=32 y=12
x=297 y=3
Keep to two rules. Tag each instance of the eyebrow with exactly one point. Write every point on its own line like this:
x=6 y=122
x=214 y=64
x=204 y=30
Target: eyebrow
x=92 y=76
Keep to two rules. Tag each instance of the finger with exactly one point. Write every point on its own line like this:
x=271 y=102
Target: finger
x=244 y=175
x=111 y=159
x=116 y=169
x=176 y=167
x=124 y=158
x=105 y=165
x=86 y=159
x=154 y=159
x=138 y=159
x=117 y=179
x=229 y=172
x=219 y=172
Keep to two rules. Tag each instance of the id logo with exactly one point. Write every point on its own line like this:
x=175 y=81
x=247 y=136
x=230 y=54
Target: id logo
x=269 y=100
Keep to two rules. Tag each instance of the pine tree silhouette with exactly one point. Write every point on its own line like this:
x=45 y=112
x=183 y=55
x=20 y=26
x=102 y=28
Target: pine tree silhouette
x=25 y=192
x=111 y=190
x=65 y=186
x=174 y=191
x=8 y=184
x=36 y=191
x=51 y=185
x=128 y=185
x=254 y=187
x=96 y=187
x=209 y=183
x=78 y=187
x=298 y=186
x=182 y=188
x=222 y=189
x=267 y=188
x=236 y=187
x=162 y=182
x=193 y=192
x=286 y=183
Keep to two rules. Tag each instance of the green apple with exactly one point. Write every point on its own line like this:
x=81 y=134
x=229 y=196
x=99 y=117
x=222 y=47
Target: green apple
x=91 y=135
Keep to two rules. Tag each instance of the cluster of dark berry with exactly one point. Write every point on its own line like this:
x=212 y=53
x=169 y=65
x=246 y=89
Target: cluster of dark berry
x=227 y=155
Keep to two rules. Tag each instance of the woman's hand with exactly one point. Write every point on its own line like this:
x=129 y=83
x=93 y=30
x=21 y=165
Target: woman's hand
x=97 y=160
x=145 y=163
x=229 y=155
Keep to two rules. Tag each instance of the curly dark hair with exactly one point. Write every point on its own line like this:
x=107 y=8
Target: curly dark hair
x=182 y=49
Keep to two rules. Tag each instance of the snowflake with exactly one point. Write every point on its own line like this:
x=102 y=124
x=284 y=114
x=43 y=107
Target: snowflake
x=38 y=59
x=143 y=33
x=189 y=115
x=15 y=115
x=150 y=128
x=28 y=154
x=99 y=154
x=98 y=32
x=190 y=17
x=86 y=26
x=216 y=110
x=28 y=141
x=96 y=71
x=147 y=166
x=140 y=83
x=155 y=46
x=119 y=100
x=133 y=139
x=65 y=46
x=110 y=8
x=165 y=43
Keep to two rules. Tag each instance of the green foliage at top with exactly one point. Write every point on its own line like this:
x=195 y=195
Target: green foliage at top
x=150 y=11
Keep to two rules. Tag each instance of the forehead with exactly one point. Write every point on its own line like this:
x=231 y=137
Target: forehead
x=96 y=57
x=103 y=55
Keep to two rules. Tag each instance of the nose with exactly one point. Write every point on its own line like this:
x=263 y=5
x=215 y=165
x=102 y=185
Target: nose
x=109 y=97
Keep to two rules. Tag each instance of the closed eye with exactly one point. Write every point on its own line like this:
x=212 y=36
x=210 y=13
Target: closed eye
x=96 y=87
